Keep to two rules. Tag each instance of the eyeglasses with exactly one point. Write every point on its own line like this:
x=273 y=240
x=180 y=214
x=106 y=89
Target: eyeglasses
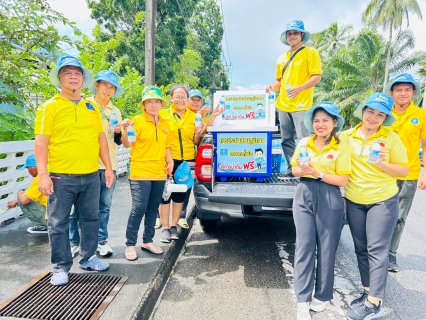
x=180 y=98
x=295 y=33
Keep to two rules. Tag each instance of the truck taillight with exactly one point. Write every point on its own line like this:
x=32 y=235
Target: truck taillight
x=203 y=163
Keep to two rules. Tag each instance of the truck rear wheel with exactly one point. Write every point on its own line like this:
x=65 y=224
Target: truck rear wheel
x=210 y=225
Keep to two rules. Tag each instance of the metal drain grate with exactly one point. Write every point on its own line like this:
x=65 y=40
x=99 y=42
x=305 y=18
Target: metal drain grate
x=86 y=296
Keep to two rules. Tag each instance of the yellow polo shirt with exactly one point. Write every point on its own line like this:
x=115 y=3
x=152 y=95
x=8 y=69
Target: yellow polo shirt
x=410 y=126
x=106 y=114
x=34 y=194
x=369 y=184
x=186 y=124
x=304 y=65
x=148 y=152
x=334 y=158
x=74 y=134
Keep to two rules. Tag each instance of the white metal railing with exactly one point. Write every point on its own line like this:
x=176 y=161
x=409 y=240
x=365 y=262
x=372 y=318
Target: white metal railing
x=12 y=157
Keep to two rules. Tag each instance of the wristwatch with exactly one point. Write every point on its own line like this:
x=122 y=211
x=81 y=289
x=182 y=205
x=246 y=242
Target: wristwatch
x=321 y=175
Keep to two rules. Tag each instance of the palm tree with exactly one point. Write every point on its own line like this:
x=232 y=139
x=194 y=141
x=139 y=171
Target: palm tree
x=330 y=40
x=390 y=14
x=422 y=72
x=356 y=71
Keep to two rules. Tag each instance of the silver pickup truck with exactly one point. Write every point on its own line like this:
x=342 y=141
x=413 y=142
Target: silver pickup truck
x=237 y=197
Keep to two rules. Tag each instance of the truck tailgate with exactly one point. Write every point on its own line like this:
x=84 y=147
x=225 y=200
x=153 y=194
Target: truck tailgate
x=272 y=192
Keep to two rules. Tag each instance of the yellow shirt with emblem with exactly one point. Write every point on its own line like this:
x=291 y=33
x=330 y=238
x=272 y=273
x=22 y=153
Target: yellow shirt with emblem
x=112 y=147
x=34 y=194
x=74 y=134
x=148 y=152
x=304 y=65
x=368 y=183
x=410 y=126
x=334 y=158
x=186 y=124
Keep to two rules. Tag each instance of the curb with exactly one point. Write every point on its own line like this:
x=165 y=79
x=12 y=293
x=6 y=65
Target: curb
x=148 y=301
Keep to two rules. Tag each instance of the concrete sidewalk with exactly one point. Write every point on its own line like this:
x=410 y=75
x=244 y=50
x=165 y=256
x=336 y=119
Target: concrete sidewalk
x=24 y=256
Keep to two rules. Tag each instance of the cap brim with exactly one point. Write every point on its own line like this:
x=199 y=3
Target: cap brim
x=389 y=120
x=283 y=37
x=53 y=76
x=417 y=87
x=163 y=102
x=307 y=119
x=118 y=90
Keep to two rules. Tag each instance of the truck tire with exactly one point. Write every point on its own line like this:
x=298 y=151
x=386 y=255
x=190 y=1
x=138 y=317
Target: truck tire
x=210 y=225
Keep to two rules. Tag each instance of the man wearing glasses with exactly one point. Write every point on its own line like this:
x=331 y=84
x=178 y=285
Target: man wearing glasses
x=297 y=72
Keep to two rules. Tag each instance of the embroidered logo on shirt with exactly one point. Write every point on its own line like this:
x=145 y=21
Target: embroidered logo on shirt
x=89 y=106
x=165 y=131
x=330 y=156
x=414 y=121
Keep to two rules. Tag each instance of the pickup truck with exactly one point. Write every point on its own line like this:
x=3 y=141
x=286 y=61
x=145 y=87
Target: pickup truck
x=237 y=197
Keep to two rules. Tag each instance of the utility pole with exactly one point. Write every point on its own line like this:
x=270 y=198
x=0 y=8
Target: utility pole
x=150 y=13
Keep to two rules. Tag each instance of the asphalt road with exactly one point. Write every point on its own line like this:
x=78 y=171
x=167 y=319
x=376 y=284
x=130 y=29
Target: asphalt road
x=244 y=270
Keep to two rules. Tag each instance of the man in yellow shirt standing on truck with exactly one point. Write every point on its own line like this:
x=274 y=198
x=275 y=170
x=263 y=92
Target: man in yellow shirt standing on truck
x=410 y=125
x=297 y=72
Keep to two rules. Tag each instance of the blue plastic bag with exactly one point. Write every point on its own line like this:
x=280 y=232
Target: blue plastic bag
x=183 y=175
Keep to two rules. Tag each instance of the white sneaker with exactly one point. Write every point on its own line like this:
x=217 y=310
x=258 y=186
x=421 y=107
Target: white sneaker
x=104 y=250
x=303 y=311
x=74 y=250
x=318 y=305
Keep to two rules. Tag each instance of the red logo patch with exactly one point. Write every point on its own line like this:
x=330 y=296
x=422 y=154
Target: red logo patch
x=382 y=144
x=330 y=156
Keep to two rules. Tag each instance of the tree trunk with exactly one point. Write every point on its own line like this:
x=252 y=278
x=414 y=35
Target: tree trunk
x=388 y=56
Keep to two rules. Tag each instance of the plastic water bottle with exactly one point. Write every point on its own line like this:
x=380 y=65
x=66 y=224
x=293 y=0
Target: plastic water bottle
x=113 y=121
x=198 y=120
x=288 y=87
x=222 y=103
x=166 y=191
x=131 y=133
x=374 y=152
x=303 y=155
x=271 y=98
x=208 y=101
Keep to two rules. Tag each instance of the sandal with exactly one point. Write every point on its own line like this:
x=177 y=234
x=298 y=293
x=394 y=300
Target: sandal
x=183 y=223
x=152 y=248
x=157 y=223
x=130 y=253
x=165 y=236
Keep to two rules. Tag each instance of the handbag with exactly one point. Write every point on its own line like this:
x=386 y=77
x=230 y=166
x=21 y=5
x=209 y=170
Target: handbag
x=183 y=175
x=286 y=66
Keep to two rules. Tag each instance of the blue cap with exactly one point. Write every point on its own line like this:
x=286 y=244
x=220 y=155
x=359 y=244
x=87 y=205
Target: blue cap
x=30 y=162
x=328 y=107
x=404 y=78
x=195 y=93
x=110 y=77
x=68 y=60
x=381 y=102
x=296 y=25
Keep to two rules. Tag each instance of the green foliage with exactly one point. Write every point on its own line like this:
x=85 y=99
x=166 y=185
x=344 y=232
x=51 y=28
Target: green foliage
x=28 y=43
x=192 y=25
x=354 y=72
x=16 y=126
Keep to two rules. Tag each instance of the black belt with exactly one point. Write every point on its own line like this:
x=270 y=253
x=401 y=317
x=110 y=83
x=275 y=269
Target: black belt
x=73 y=175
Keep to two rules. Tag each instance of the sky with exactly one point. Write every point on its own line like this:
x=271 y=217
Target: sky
x=253 y=28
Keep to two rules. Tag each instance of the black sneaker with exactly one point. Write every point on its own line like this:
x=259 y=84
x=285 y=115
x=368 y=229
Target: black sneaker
x=287 y=175
x=358 y=301
x=393 y=267
x=366 y=310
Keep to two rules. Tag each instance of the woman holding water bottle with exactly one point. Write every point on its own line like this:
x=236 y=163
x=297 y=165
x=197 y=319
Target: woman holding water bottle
x=184 y=137
x=150 y=162
x=378 y=157
x=323 y=165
